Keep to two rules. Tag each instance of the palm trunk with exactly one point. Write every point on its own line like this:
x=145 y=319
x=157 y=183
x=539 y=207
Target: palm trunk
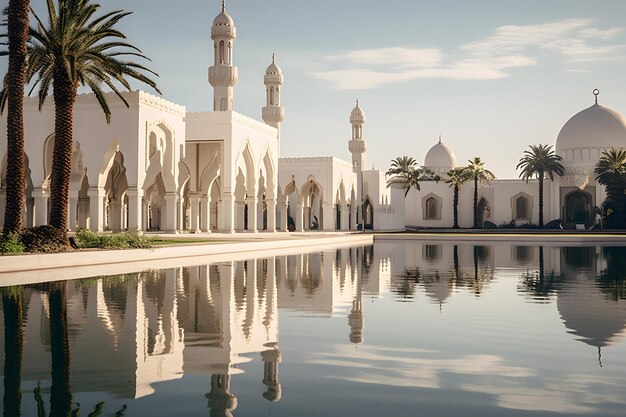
x=64 y=99
x=60 y=391
x=541 y=199
x=13 y=345
x=455 y=260
x=16 y=77
x=475 y=202
x=456 y=207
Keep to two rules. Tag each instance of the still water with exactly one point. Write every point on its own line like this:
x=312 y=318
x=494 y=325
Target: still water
x=402 y=329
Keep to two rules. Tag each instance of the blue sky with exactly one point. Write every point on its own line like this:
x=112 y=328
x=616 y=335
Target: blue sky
x=490 y=76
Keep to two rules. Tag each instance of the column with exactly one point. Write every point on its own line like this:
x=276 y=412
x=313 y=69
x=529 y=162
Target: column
x=205 y=214
x=115 y=215
x=96 y=209
x=180 y=215
x=240 y=211
x=344 y=213
x=135 y=209
x=194 y=223
x=299 y=218
x=220 y=215
x=170 y=213
x=41 y=206
x=353 y=217
x=72 y=218
x=328 y=218
x=271 y=215
x=284 y=219
x=252 y=214
x=226 y=213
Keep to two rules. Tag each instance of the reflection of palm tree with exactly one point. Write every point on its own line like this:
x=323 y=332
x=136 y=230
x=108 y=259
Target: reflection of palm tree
x=406 y=284
x=60 y=392
x=613 y=277
x=536 y=283
x=12 y=305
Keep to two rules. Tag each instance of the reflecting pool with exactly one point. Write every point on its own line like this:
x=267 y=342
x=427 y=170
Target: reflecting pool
x=399 y=328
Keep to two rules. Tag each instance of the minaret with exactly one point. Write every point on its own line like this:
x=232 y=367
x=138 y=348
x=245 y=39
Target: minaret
x=273 y=113
x=223 y=75
x=357 y=145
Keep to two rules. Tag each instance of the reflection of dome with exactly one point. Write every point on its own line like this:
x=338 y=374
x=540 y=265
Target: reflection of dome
x=589 y=314
x=594 y=127
x=438 y=288
x=440 y=158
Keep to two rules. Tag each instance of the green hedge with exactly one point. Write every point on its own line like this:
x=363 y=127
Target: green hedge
x=124 y=240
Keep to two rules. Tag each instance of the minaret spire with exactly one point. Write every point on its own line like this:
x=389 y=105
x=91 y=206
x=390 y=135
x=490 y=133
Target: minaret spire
x=596 y=93
x=223 y=5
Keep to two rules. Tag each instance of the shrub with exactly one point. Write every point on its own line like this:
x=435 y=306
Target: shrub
x=45 y=239
x=10 y=244
x=124 y=240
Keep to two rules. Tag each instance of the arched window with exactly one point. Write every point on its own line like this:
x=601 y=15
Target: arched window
x=272 y=96
x=229 y=57
x=431 y=209
x=221 y=52
x=521 y=208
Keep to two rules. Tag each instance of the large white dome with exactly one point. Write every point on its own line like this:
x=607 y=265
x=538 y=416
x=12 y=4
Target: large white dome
x=440 y=158
x=594 y=127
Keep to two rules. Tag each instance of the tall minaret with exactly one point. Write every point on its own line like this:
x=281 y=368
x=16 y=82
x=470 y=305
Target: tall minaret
x=223 y=75
x=357 y=145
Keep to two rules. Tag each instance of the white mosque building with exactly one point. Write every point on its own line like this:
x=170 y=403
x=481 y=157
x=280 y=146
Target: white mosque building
x=157 y=167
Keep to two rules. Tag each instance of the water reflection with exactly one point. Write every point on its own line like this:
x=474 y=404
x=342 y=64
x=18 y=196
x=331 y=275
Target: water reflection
x=124 y=338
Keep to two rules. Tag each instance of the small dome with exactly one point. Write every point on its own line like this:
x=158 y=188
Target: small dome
x=596 y=126
x=273 y=69
x=440 y=157
x=357 y=114
x=223 y=19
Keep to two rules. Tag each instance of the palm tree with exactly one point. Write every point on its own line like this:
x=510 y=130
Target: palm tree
x=456 y=178
x=611 y=172
x=13 y=94
x=540 y=160
x=73 y=49
x=404 y=170
x=477 y=172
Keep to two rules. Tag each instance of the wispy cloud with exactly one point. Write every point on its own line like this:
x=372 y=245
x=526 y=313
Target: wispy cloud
x=510 y=46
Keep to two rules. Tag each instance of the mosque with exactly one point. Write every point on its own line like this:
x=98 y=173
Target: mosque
x=157 y=167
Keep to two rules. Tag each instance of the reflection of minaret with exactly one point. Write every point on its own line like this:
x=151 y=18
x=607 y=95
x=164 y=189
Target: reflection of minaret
x=221 y=401
x=356 y=318
x=271 y=358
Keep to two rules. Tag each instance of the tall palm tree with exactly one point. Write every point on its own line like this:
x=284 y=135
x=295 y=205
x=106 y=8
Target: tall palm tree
x=405 y=170
x=477 y=172
x=76 y=48
x=13 y=94
x=456 y=177
x=539 y=161
x=611 y=172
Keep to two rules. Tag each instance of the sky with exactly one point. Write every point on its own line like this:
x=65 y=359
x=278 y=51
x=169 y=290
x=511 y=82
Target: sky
x=490 y=76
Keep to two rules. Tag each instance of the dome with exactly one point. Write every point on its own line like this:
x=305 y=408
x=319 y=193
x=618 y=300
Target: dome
x=440 y=156
x=594 y=127
x=273 y=68
x=357 y=115
x=223 y=19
